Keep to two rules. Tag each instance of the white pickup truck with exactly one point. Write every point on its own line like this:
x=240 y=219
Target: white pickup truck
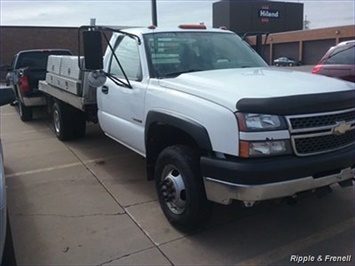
x=213 y=120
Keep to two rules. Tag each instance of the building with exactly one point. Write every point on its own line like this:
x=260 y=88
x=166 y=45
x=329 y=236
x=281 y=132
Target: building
x=251 y=16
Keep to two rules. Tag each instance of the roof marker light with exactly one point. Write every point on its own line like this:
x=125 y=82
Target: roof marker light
x=193 y=26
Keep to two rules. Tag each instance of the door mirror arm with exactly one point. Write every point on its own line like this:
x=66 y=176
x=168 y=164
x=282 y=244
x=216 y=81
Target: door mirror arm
x=5 y=68
x=93 y=52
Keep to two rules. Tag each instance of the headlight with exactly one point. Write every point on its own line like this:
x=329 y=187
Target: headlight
x=254 y=143
x=260 y=122
x=264 y=148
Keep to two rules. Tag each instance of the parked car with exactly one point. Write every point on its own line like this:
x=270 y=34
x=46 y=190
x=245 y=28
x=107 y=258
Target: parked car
x=27 y=68
x=284 y=61
x=2 y=204
x=338 y=62
x=6 y=249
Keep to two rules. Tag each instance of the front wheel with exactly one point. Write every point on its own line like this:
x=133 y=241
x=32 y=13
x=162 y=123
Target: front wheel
x=180 y=189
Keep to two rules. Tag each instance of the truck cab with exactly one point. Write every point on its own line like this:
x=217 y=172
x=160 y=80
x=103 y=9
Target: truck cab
x=164 y=58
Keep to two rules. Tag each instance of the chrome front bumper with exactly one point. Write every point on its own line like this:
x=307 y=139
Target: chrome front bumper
x=224 y=192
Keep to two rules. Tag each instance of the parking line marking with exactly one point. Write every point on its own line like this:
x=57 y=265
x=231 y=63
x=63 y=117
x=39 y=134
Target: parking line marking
x=12 y=113
x=53 y=168
x=277 y=254
x=26 y=131
x=41 y=170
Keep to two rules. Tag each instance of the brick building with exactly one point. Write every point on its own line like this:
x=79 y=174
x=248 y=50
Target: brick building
x=16 y=38
x=306 y=45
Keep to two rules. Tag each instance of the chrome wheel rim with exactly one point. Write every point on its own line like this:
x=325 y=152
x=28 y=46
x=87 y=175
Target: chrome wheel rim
x=56 y=121
x=173 y=190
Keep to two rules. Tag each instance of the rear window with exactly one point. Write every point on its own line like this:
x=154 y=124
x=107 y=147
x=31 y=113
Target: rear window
x=37 y=59
x=344 y=55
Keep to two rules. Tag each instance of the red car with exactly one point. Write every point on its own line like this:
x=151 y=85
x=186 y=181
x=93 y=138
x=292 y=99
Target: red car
x=338 y=62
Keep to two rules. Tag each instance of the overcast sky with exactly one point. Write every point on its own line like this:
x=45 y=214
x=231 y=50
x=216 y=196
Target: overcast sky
x=321 y=13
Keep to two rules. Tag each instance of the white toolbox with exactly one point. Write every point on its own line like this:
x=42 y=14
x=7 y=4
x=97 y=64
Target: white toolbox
x=54 y=64
x=70 y=68
x=52 y=79
x=65 y=74
x=66 y=84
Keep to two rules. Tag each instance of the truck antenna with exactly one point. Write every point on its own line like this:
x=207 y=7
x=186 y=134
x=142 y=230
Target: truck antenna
x=93 y=22
x=154 y=13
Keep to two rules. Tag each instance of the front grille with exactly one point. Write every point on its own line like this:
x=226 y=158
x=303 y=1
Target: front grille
x=314 y=145
x=319 y=133
x=321 y=120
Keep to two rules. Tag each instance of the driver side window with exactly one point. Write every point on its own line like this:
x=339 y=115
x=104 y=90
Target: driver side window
x=128 y=55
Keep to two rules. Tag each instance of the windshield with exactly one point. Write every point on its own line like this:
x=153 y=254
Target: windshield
x=173 y=53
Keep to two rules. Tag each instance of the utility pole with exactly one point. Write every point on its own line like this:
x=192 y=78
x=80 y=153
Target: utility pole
x=154 y=13
x=306 y=23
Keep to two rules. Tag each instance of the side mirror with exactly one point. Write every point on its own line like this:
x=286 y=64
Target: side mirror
x=7 y=95
x=93 y=50
x=5 y=68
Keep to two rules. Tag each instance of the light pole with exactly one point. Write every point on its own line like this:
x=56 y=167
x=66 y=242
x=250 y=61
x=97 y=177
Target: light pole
x=154 y=13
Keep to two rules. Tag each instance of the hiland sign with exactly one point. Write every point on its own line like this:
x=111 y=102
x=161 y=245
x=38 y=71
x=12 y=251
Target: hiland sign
x=268 y=13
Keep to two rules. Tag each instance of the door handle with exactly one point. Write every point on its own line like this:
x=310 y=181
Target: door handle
x=104 y=89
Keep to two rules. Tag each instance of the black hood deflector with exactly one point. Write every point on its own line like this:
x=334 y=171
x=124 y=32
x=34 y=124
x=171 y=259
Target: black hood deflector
x=298 y=104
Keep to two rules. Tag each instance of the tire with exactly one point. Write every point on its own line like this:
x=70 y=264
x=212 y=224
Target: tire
x=9 y=257
x=61 y=122
x=78 y=124
x=177 y=170
x=68 y=123
x=291 y=64
x=26 y=113
x=277 y=64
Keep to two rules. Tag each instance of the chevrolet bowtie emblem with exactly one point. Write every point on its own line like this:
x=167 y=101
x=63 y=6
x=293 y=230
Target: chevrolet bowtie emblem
x=341 y=127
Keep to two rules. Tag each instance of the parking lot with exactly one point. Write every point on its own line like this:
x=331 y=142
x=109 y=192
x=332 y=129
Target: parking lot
x=87 y=202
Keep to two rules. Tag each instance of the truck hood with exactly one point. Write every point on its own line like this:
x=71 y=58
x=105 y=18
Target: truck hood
x=228 y=86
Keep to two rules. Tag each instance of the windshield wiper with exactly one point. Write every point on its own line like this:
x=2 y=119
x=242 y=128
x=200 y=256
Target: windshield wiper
x=178 y=73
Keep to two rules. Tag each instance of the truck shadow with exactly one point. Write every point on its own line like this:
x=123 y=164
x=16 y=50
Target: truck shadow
x=234 y=234
x=269 y=233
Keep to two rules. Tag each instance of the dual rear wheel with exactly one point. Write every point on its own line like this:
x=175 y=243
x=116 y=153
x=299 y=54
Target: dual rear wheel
x=68 y=122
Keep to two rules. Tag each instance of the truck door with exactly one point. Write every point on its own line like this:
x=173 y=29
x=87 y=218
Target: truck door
x=121 y=109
